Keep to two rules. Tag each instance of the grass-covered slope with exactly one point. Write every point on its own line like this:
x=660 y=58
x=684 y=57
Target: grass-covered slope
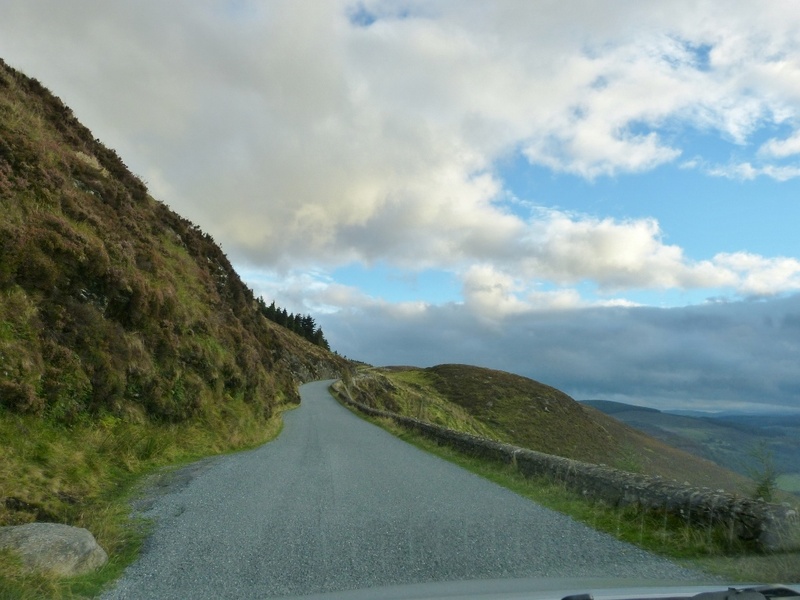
x=526 y=413
x=122 y=326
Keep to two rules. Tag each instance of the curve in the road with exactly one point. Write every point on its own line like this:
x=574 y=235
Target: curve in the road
x=336 y=503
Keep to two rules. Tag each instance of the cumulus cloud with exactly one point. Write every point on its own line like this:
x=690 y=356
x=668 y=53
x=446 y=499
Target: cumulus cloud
x=761 y=276
x=539 y=264
x=781 y=148
x=305 y=135
x=568 y=249
x=616 y=254
x=491 y=293
x=321 y=133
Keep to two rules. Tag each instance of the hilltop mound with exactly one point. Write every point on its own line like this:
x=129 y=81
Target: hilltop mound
x=110 y=303
x=524 y=412
x=610 y=407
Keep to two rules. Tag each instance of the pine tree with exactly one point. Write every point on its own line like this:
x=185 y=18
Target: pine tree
x=319 y=339
x=271 y=311
x=303 y=325
x=308 y=326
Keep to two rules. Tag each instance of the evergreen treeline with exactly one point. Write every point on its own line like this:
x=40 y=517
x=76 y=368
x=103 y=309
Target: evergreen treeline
x=302 y=325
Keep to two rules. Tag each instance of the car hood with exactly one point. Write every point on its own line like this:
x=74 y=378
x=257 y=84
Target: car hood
x=558 y=589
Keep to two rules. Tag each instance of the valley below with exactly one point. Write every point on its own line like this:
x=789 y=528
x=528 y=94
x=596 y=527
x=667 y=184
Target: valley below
x=748 y=444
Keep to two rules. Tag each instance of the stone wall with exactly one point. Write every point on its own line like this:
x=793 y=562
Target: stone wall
x=770 y=526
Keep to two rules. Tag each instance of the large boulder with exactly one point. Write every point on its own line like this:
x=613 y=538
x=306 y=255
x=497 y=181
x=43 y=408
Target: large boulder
x=59 y=549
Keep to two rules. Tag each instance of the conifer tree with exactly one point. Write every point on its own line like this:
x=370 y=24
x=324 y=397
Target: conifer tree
x=303 y=325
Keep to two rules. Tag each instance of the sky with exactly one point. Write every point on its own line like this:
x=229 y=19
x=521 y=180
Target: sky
x=602 y=196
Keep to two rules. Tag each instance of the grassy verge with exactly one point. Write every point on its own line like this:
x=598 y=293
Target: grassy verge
x=525 y=413
x=86 y=475
x=708 y=549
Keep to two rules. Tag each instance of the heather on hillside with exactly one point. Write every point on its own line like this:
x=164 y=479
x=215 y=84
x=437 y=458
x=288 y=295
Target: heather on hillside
x=109 y=301
x=526 y=413
x=127 y=340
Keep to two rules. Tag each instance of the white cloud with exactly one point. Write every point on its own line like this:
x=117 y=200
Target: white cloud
x=615 y=254
x=303 y=141
x=541 y=265
x=300 y=139
x=632 y=255
x=781 y=148
x=492 y=294
x=747 y=172
x=762 y=276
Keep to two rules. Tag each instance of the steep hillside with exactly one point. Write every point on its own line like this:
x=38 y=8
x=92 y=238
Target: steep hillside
x=109 y=301
x=527 y=413
x=114 y=309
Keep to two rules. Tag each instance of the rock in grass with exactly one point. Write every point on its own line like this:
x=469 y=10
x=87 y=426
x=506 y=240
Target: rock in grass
x=51 y=547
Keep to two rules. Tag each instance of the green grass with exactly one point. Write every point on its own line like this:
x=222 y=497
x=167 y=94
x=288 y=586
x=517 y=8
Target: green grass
x=708 y=549
x=20 y=584
x=774 y=568
x=789 y=482
x=408 y=392
x=86 y=475
x=523 y=412
x=127 y=339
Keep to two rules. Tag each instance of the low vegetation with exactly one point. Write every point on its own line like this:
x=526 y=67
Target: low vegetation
x=523 y=412
x=85 y=474
x=112 y=307
x=127 y=340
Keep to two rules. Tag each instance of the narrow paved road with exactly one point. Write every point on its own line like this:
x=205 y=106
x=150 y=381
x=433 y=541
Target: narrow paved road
x=336 y=503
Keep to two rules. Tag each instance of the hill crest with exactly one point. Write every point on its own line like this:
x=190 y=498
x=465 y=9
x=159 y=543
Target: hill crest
x=610 y=407
x=524 y=412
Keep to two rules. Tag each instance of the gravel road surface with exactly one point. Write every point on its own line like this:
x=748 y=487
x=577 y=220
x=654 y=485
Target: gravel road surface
x=335 y=503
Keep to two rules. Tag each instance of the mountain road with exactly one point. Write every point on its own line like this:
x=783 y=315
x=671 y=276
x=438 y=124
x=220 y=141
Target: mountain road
x=336 y=503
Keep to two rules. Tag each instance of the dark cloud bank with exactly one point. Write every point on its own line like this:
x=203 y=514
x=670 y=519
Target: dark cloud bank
x=716 y=356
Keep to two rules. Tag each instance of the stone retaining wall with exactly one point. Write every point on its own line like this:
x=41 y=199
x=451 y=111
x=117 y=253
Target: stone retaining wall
x=771 y=526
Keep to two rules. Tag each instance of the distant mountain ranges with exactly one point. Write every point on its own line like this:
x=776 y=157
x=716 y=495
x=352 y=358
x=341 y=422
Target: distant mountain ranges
x=731 y=439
